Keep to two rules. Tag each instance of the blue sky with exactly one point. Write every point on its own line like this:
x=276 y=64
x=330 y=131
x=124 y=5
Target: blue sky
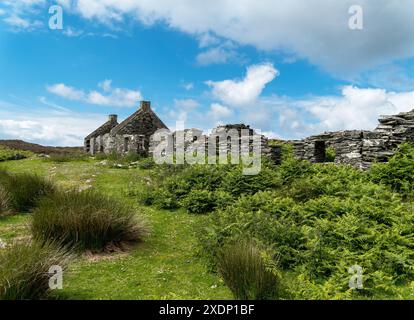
x=289 y=68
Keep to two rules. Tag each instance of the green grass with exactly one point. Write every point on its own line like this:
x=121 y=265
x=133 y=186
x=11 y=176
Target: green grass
x=10 y=154
x=164 y=266
x=24 y=269
x=87 y=220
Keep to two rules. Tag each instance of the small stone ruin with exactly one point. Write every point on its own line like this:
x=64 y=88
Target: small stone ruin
x=359 y=148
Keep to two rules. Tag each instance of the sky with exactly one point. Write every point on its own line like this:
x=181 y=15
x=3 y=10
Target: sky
x=287 y=68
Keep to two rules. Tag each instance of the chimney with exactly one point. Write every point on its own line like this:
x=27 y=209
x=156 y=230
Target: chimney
x=113 y=118
x=145 y=105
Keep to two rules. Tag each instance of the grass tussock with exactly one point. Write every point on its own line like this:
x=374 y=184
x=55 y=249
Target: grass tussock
x=20 y=192
x=24 y=269
x=4 y=202
x=244 y=271
x=86 y=221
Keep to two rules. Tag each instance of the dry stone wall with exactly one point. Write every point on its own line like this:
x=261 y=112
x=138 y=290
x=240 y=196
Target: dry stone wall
x=360 y=148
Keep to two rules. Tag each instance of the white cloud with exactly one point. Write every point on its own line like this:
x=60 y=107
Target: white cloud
x=117 y=97
x=16 y=21
x=186 y=104
x=72 y=32
x=19 y=14
x=182 y=109
x=354 y=109
x=316 y=30
x=67 y=92
x=220 y=112
x=357 y=108
x=207 y=39
x=21 y=23
x=221 y=54
x=105 y=85
x=246 y=91
x=65 y=3
x=46 y=126
x=187 y=85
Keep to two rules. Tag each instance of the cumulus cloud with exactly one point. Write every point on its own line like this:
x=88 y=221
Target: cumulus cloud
x=245 y=91
x=316 y=30
x=207 y=40
x=220 y=112
x=46 y=126
x=21 y=15
x=65 y=91
x=353 y=109
x=117 y=97
x=186 y=104
x=187 y=85
x=357 y=108
x=72 y=32
x=182 y=108
x=218 y=55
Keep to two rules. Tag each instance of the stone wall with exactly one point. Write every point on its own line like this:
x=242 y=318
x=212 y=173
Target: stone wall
x=360 y=148
x=223 y=140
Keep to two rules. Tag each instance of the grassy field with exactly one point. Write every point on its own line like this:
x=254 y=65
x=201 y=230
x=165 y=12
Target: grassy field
x=164 y=266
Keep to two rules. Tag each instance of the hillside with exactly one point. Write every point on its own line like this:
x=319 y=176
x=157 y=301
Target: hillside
x=37 y=148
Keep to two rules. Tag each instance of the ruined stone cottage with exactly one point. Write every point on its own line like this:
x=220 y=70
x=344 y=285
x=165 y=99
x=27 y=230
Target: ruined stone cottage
x=131 y=135
x=360 y=148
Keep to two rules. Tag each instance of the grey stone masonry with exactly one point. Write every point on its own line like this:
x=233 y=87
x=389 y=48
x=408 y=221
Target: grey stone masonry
x=358 y=147
x=131 y=135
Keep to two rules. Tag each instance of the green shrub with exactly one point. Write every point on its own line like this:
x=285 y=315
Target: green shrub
x=24 y=269
x=237 y=184
x=244 y=271
x=398 y=173
x=330 y=154
x=131 y=157
x=11 y=154
x=222 y=199
x=146 y=163
x=24 y=190
x=164 y=199
x=86 y=220
x=264 y=216
x=291 y=169
x=319 y=239
x=145 y=195
x=174 y=188
x=199 y=202
x=325 y=179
